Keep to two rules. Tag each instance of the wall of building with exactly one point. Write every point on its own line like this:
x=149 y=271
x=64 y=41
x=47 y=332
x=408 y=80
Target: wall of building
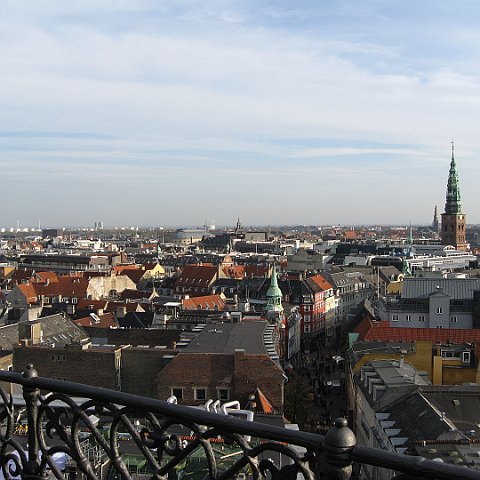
x=139 y=370
x=96 y=367
x=100 y=287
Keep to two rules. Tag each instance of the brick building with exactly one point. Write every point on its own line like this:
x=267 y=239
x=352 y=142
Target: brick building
x=196 y=377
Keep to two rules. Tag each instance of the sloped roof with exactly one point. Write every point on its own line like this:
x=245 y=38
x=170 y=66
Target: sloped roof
x=207 y=302
x=416 y=418
x=134 y=275
x=461 y=404
x=106 y=320
x=58 y=329
x=136 y=320
x=132 y=294
x=71 y=287
x=120 y=269
x=321 y=282
x=28 y=291
x=252 y=271
x=234 y=271
x=384 y=332
x=456 y=288
x=84 y=304
x=129 y=306
x=44 y=276
x=196 y=275
x=263 y=405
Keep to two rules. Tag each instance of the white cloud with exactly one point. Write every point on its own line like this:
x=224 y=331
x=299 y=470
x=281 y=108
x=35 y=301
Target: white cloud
x=224 y=91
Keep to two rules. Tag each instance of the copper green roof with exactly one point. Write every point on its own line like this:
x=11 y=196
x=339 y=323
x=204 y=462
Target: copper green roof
x=453 y=203
x=274 y=289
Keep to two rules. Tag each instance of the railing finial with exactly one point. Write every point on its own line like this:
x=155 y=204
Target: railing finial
x=339 y=443
x=30 y=372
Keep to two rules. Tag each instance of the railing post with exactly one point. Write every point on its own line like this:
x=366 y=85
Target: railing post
x=31 y=470
x=338 y=445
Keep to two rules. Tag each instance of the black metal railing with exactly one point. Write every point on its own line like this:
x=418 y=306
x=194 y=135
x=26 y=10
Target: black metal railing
x=72 y=431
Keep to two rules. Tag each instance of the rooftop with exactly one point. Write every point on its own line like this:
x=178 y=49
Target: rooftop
x=227 y=337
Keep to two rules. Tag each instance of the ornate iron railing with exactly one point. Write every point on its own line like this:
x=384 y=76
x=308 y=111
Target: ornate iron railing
x=62 y=436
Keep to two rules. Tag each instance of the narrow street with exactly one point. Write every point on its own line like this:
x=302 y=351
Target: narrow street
x=315 y=395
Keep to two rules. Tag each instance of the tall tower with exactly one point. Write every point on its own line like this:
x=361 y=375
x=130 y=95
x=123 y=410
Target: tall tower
x=453 y=220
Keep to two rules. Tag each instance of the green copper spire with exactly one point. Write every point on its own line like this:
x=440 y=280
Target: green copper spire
x=274 y=290
x=274 y=297
x=453 y=203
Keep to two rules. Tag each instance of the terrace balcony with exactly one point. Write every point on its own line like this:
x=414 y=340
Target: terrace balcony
x=147 y=438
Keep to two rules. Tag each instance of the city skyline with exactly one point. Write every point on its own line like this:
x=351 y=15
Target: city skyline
x=167 y=114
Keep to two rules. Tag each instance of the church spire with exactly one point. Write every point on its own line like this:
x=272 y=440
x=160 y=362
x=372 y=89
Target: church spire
x=453 y=201
x=435 y=222
x=273 y=309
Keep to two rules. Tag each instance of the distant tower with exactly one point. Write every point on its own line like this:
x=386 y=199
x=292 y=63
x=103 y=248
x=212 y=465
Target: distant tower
x=238 y=227
x=435 y=224
x=410 y=235
x=453 y=220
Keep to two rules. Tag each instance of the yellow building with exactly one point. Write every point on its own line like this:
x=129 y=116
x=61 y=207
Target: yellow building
x=445 y=364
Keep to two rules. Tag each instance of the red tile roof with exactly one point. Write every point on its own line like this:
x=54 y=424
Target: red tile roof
x=85 y=304
x=321 y=282
x=44 y=276
x=263 y=405
x=28 y=291
x=196 y=275
x=106 y=320
x=234 y=271
x=120 y=269
x=382 y=331
x=67 y=287
x=252 y=271
x=207 y=302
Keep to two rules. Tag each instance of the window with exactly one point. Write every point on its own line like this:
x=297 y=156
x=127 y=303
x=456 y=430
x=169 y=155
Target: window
x=466 y=357
x=306 y=328
x=408 y=318
x=306 y=318
x=177 y=392
x=450 y=354
x=223 y=393
x=439 y=310
x=394 y=318
x=200 y=394
x=421 y=318
x=439 y=326
x=453 y=319
x=306 y=308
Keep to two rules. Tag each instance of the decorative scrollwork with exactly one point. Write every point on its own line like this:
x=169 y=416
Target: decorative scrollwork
x=94 y=435
x=166 y=443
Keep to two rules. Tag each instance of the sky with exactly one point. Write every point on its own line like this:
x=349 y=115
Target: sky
x=160 y=113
